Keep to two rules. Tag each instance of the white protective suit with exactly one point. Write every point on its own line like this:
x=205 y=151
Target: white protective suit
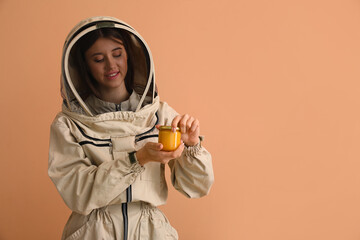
x=111 y=195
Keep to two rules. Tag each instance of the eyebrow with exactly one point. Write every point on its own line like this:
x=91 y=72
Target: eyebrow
x=94 y=54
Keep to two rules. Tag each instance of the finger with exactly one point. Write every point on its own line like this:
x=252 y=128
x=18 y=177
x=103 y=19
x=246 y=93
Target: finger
x=175 y=122
x=174 y=154
x=154 y=146
x=158 y=126
x=182 y=123
x=189 y=124
x=165 y=156
x=197 y=130
x=195 y=125
x=179 y=150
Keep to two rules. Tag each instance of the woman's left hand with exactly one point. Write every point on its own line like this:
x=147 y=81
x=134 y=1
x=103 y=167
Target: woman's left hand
x=189 y=127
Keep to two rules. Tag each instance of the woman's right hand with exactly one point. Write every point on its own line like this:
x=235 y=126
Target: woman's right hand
x=151 y=152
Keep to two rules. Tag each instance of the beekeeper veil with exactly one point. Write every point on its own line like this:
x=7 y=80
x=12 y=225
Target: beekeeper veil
x=76 y=84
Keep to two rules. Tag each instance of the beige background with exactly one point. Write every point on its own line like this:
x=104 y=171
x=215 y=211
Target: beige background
x=275 y=85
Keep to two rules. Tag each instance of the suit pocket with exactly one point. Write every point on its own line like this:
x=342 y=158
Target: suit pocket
x=94 y=230
x=156 y=226
x=97 y=225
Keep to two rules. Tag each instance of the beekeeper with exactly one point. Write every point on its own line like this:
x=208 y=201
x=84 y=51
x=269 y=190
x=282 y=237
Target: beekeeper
x=104 y=156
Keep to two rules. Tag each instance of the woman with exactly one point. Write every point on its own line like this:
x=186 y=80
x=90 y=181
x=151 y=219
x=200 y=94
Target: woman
x=104 y=158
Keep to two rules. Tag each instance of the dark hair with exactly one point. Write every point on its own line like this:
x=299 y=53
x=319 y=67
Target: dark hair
x=87 y=84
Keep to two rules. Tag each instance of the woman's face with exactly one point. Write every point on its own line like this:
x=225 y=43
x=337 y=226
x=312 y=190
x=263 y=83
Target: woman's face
x=107 y=61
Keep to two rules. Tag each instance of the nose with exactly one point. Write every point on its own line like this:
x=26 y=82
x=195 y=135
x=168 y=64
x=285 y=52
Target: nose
x=110 y=63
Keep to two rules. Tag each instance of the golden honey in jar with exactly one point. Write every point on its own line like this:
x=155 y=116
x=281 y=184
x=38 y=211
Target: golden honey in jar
x=169 y=139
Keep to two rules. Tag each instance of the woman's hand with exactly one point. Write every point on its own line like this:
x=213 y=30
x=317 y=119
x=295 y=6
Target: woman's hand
x=189 y=127
x=151 y=152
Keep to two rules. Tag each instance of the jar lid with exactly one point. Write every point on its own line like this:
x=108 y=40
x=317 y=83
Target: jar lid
x=168 y=128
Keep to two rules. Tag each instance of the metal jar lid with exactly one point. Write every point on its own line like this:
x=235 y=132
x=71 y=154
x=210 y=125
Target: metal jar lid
x=168 y=128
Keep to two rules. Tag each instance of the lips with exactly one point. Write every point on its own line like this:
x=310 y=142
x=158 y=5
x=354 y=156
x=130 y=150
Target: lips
x=112 y=75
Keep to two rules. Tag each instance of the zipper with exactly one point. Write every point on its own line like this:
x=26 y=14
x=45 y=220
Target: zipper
x=125 y=217
x=129 y=194
x=124 y=208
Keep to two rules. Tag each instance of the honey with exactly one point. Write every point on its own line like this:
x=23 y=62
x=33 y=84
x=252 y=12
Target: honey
x=169 y=139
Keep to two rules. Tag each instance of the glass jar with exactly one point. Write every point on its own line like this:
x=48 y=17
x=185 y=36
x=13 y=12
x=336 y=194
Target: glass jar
x=169 y=139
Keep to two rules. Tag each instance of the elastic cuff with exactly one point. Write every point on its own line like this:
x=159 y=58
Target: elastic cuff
x=136 y=168
x=193 y=150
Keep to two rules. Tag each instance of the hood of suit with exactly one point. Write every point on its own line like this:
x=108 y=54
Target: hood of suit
x=72 y=82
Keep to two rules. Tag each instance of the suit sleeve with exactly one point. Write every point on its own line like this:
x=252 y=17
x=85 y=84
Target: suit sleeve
x=83 y=185
x=192 y=173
